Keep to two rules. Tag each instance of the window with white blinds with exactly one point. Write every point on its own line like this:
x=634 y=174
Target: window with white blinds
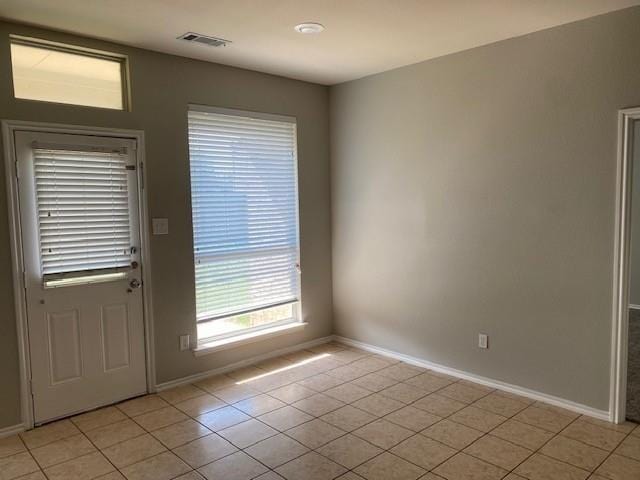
x=83 y=211
x=245 y=215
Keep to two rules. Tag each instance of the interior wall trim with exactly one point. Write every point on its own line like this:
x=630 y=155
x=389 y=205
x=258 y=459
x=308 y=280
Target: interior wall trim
x=622 y=266
x=489 y=382
x=12 y=430
x=242 y=363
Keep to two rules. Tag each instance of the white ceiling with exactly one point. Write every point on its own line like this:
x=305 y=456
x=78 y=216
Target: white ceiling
x=362 y=37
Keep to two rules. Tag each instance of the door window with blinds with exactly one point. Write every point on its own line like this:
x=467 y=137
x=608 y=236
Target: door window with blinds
x=245 y=221
x=84 y=214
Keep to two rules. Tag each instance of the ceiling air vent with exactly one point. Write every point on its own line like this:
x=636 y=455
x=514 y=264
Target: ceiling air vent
x=211 y=41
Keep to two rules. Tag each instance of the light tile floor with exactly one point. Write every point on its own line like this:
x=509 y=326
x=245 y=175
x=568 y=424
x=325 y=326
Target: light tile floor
x=326 y=413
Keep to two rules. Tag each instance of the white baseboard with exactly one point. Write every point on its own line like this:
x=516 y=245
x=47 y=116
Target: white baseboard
x=489 y=382
x=12 y=430
x=243 y=363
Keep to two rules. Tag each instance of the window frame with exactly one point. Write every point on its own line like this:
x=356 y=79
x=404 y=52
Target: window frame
x=123 y=60
x=296 y=318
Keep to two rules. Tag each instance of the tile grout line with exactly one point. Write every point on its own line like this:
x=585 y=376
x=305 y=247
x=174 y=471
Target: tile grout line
x=414 y=433
x=348 y=382
x=555 y=434
x=484 y=433
x=170 y=404
x=279 y=432
x=345 y=433
x=538 y=451
x=267 y=390
x=388 y=450
x=533 y=452
x=613 y=451
x=101 y=452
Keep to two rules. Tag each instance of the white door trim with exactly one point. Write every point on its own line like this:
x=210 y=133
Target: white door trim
x=622 y=249
x=17 y=267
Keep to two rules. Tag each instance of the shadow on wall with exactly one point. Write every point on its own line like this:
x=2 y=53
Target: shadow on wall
x=633 y=372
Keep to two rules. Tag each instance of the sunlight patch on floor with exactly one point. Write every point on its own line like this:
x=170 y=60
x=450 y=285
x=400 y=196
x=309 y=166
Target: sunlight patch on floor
x=284 y=369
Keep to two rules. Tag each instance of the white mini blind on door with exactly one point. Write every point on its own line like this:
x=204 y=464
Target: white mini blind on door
x=245 y=213
x=83 y=210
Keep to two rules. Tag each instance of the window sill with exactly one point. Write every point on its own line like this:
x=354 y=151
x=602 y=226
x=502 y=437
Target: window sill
x=243 y=339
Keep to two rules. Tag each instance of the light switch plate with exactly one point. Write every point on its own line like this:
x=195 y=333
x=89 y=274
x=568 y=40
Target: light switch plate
x=160 y=226
x=483 y=340
x=184 y=342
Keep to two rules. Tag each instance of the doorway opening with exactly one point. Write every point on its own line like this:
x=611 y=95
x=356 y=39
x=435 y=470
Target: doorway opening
x=625 y=375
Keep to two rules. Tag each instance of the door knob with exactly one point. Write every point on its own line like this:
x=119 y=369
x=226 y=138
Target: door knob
x=135 y=283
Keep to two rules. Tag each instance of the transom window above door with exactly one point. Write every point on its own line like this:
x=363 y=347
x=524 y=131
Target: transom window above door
x=245 y=221
x=55 y=72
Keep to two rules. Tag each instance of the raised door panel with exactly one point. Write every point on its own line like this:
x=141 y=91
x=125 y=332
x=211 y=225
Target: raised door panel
x=116 y=346
x=65 y=351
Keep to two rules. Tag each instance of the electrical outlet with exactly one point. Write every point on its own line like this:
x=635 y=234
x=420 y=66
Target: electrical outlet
x=483 y=340
x=184 y=342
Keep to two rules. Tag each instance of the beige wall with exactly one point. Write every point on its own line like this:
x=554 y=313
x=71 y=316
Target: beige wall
x=475 y=193
x=162 y=86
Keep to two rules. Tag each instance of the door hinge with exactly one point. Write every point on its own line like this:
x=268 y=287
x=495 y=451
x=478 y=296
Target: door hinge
x=31 y=387
x=141 y=175
x=17 y=170
x=24 y=280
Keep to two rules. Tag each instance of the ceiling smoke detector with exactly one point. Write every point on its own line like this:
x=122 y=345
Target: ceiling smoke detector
x=309 y=28
x=204 y=39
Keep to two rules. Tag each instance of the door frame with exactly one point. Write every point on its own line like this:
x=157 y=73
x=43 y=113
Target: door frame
x=621 y=270
x=9 y=127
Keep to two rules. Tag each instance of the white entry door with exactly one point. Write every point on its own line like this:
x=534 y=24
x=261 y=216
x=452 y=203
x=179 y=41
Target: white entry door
x=81 y=246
